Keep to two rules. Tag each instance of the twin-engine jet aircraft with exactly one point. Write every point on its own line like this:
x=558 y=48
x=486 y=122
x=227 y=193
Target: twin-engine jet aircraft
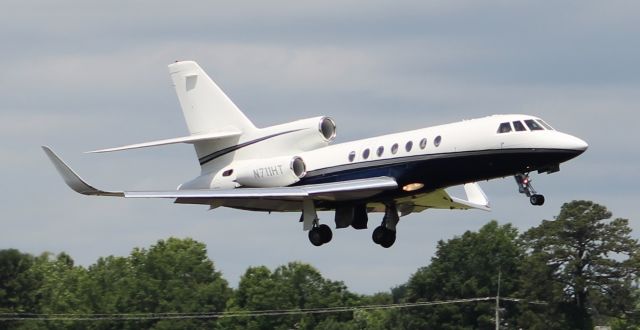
x=294 y=168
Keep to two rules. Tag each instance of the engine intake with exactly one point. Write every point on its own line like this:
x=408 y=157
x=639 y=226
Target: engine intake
x=327 y=128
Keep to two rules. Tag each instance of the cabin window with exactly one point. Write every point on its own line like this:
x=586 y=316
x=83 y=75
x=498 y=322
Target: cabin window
x=519 y=126
x=352 y=156
x=408 y=146
x=423 y=143
x=380 y=151
x=543 y=123
x=227 y=172
x=365 y=153
x=394 y=148
x=533 y=125
x=437 y=141
x=504 y=128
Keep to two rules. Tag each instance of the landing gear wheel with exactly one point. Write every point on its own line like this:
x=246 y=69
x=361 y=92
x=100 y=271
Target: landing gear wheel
x=378 y=234
x=384 y=237
x=525 y=187
x=325 y=233
x=389 y=239
x=315 y=236
x=536 y=199
x=320 y=235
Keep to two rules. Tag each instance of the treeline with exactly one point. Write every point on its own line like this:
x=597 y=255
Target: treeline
x=579 y=270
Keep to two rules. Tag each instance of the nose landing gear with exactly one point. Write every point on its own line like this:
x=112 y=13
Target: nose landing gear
x=525 y=187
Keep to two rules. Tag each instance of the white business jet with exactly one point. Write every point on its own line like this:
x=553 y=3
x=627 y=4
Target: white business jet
x=294 y=168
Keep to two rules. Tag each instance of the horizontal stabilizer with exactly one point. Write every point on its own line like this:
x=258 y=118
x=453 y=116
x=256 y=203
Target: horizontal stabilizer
x=73 y=180
x=185 y=139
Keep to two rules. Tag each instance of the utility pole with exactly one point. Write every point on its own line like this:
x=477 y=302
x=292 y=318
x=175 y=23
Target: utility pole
x=498 y=301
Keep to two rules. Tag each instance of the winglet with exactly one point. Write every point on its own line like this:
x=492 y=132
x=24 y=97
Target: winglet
x=74 y=181
x=476 y=198
x=475 y=194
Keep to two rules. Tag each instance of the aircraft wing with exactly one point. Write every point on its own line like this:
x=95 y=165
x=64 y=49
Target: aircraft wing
x=277 y=198
x=439 y=199
x=344 y=190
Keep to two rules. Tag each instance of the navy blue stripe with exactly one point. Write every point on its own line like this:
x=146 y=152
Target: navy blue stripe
x=445 y=169
x=205 y=159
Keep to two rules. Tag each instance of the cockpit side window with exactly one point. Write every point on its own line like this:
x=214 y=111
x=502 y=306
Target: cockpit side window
x=533 y=125
x=519 y=126
x=504 y=128
x=543 y=123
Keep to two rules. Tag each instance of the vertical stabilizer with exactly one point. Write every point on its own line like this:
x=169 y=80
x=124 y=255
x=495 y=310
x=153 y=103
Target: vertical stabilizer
x=205 y=106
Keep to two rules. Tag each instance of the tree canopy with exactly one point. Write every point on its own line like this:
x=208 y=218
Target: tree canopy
x=576 y=271
x=584 y=264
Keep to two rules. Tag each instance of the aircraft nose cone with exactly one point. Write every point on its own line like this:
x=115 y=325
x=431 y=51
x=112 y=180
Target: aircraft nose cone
x=576 y=144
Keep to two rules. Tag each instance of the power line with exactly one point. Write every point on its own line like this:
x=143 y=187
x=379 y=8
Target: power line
x=215 y=315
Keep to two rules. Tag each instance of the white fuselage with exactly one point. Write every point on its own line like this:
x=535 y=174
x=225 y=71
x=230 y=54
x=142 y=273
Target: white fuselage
x=449 y=140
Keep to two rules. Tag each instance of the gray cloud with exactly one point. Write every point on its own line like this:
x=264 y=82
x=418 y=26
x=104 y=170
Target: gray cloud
x=84 y=76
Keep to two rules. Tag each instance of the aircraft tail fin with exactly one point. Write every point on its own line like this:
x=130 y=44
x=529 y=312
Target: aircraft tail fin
x=205 y=106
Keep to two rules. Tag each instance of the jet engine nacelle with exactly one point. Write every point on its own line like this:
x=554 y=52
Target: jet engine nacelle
x=271 y=172
x=300 y=135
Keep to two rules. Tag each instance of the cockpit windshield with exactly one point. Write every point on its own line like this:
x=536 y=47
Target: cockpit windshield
x=518 y=126
x=543 y=123
x=533 y=125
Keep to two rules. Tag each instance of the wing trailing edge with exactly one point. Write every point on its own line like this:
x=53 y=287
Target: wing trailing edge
x=344 y=190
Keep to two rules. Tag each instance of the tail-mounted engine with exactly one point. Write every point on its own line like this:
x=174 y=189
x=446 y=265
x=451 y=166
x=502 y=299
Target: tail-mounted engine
x=270 y=172
x=298 y=136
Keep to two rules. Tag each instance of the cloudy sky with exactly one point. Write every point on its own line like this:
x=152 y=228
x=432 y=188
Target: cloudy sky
x=80 y=76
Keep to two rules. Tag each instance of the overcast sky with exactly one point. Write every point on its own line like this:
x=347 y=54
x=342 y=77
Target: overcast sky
x=80 y=76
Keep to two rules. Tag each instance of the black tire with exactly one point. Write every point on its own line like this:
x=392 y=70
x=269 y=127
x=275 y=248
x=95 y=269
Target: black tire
x=378 y=234
x=326 y=233
x=541 y=200
x=537 y=200
x=389 y=238
x=315 y=237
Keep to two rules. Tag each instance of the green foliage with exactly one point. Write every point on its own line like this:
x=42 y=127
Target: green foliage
x=584 y=264
x=293 y=286
x=465 y=267
x=16 y=286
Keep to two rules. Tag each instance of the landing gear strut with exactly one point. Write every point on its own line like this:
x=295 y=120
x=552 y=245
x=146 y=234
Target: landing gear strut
x=525 y=187
x=385 y=234
x=318 y=234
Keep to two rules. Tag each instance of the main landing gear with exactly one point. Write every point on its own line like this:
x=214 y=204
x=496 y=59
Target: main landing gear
x=385 y=234
x=320 y=234
x=525 y=187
